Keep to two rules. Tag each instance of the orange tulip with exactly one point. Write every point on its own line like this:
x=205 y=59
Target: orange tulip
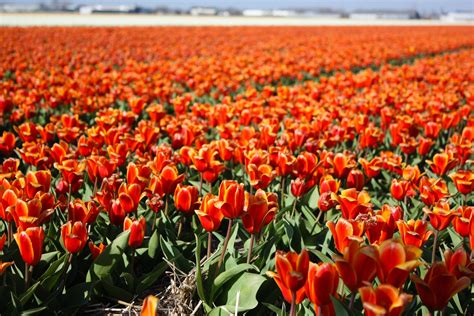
x=396 y=261
x=260 y=176
x=382 y=225
x=414 y=232
x=260 y=209
x=186 y=198
x=441 y=215
x=352 y=203
x=232 y=196
x=30 y=243
x=358 y=265
x=439 y=286
x=35 y=212
x=384 y=300
x=425 y=145
x=150 y=305
x=464 y=181
x=291 y=274
x=37 y=181
x=169 y=179
x=4 y=266
x=85 y=212
x=321 y=284
x=7 y=143
x=96 y=250
x=129 y=196
x=432 y=190
x=344 y=231
x=209 y=214
x=372 y=169
x=355 y=179
x=399 y=189
x=342 y=164
x=462 y=221
x=74 y=236
x=442 y=163
x=137 y=231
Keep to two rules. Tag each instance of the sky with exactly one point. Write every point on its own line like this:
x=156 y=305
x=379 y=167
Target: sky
x=348 y=5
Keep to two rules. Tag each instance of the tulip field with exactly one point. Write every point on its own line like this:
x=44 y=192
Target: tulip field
x=237 y=170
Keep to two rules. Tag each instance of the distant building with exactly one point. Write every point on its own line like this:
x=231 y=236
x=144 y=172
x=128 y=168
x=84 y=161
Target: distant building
x=18 y=7
x=256 y=13
x=458 y=16
x=108 y=9
x=206 y=11
x=384 y=14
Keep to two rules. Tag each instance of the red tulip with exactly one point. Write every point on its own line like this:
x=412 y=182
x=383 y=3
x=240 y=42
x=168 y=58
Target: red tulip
x=345 y=231
x=352 y=203
x=441 y=215
x=462 y=221
x=413 y=232
x=149 y=307
x=321 y=284
x=232 y=196
x=355 y=179
x=439 y=286
x=96 y=250
x=186 y=198
x=209 y=214
x=459 y=263
x=442 y=163
x=384 y=300
x=399 y=189
x=137 y=231
x=464 y=181
x=30 y=243
x=74 y=236
x=260 y=210
x=291 y=274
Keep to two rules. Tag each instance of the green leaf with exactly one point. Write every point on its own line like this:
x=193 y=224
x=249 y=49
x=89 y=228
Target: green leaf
x=278 y=311
x=339 y=308
x=199 y=281
x=33 y=311
x=106 y=261
x=229 y=274
x=54 y=274
x=242 y=295
x=25 y=297
x=173 y=254
x=148 y=279
x=153 y=244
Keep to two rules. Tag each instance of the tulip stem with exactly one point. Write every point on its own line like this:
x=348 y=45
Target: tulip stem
x=316 y=222
x=224 y=248
x=27 y=276
x=293 y=304
x=209 y=244
x=132 y=262
x=351 y=302
x=200 y=184
x=69 y=201
x=63 y=281
x=180 y=226
x=153 y=224
x=249 y=254
x=433 y=254
x=293 y=212
x=282 y=203
x=95 y=187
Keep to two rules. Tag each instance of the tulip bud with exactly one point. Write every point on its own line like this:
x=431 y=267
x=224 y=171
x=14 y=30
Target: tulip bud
x=137 y=231
x=355 y=179
x=74 y=236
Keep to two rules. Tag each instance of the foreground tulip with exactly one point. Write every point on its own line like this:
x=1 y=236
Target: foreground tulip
x=259 y=211
x=459 y=263
x=232 y=196
x=321 y=284
x=185 y=198
x=382 y=225
x=358 y=265
x=440 y=218
x=463 y=220
x=137 y=231
x=74 y=236
x=344 y=231
x=210 y=217
x=464 y=181
x=30 y=243
x=149 y=306
x=439 y=286
x=399 y=189
x=384 y=300
x=291 y=275
x=442 y=163
x=396 y=261
x=413 y=232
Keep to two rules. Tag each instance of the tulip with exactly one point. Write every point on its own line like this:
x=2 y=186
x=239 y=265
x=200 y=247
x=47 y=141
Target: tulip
x=383 y=300
x=396 y=261
x=441 y=215
x=399 y=189
x=38 y=181
x=96 y=250
x=424 y=146
x=344 y=231
x=4 y=266
x=382 y=225
x=34 y=212
x=342 y=164
x=432 y=190
x=464 y=181
x=439 y=286
x=372 y=169
x=459 y=263
x=186 y=198
x=291 y=276
x=358 y=265
x=137 y=231
x=74 y=236
x=352 y=203
x=321 y=284
x=85 y=212
x=414 y=232
x=259 y=211
x=129 y=196
x=442 y=163
x=210 y=217
x=462 y=221
x=355 y=179
x=326 y=202
x=150 y=304
x=30 y=243
x=232 y=196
